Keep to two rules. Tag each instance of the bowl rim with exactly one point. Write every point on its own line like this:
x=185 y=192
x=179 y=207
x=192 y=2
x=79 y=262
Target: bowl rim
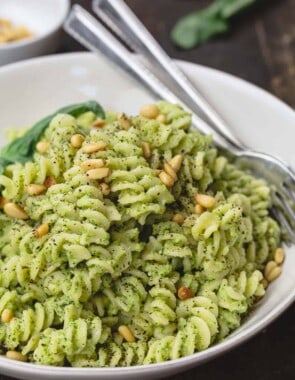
x=232 y=341
x=30 y=40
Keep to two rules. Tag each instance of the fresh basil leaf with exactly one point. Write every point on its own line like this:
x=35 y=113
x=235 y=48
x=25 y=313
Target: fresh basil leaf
x=202 y=25
x=234 y=6
x=22 y=149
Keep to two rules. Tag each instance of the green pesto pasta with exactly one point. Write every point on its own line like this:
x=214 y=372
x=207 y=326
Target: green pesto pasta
x=100 y=239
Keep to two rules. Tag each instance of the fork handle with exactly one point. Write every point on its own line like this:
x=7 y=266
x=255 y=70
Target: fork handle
x=93 y=35
x=119 y=17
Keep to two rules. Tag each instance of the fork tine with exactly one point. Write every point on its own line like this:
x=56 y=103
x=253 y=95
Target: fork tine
x=287 y=190
x=280 y=217
x=283 y=203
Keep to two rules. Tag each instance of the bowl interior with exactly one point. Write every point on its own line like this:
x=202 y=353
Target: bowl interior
x=40 y=17
x=35 y=88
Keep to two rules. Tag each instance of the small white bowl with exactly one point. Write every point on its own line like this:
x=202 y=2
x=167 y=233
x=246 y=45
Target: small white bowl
x=43 y=18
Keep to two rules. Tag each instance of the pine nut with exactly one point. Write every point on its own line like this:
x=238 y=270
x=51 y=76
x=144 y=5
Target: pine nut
x=42 y=146
x=3 y=201
x=158 y=172
x=178 y=218
x=269 y=267
x=94 y=147
x=151 y=111
x=98 y=123
x=105 y=188
x=98 y=173
x=205 y=200
x=176 y=162
x=184 y=293
x=126 y=333
x=146 y=149
x=15 y=211
x=199 y=209
x=161 y=118
x=77 y=141
x=42 y=230
x=14 y=355
x=166 y=179
x=49 y=181
x=169 y=170
x=34 y=189
x=274 y=274
x=124 y=121
x=6 y=315
x=92 y=164
x=279 y=255
x=264 y=283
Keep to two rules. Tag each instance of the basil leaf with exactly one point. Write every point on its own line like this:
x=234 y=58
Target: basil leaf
x=200 y=26
x=22 y=149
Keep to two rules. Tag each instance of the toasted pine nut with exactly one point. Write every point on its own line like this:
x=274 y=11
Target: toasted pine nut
x=124 y=121
x=94 y=147
x=279 y=255
x=14 y=355
x=105 y=188
x=126 y=333
x=34 y=189
x=77 y=141
x=158 y=172
x=199 y=209
x=98 y=123
x=146 y=149
x=269 y=267
x=15 y=211
x=3 y=201
x=169 y=170
x=264 y=283
x=205 y=200
x=176 y=162
x=6 y=315
x=42 y=230
x=151 y=111
x=161 y=118
x=178 y=218
x=92 y=164
x=274 y=274
x=98 y=173
x=166 y=179
x=42 y=146
x=49 y=181
x=184 y=293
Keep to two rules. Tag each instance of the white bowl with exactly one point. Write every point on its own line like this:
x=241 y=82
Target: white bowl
x=43 y=18
x=37 y=87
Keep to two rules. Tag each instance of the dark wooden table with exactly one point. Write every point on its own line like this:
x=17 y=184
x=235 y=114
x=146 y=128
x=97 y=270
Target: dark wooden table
x=260 y=49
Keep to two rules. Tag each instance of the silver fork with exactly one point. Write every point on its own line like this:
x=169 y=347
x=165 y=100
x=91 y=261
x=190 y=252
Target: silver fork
x=120 y=18
x=88 y=31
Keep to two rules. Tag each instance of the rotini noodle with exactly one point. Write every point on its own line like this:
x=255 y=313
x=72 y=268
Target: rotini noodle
x=117 y=259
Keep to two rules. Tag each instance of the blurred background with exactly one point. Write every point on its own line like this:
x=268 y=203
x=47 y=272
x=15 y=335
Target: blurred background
x=259 y=47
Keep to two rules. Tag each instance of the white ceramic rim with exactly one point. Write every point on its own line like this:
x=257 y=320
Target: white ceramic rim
x=52 y=30
x=18 y=368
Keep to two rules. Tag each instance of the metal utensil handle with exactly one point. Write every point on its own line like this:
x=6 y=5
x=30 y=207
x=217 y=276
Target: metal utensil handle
x=119 y=17
x=90 y=33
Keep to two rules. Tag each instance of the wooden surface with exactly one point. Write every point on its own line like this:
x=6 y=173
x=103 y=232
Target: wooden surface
x=260 y=49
